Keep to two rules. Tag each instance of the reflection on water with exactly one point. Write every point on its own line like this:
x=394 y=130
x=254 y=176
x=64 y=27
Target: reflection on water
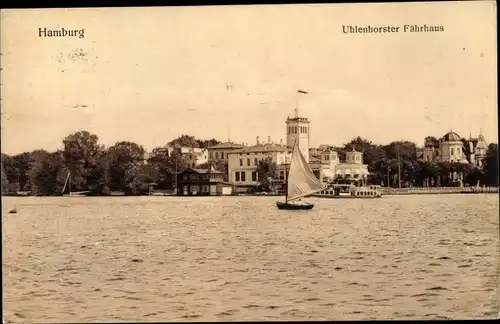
x=239 y=258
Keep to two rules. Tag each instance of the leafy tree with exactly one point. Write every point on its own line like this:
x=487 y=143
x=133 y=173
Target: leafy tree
x=207 y=143
x=5 y=181
x=267 y=171
x=98 y=177
x=82 y=154
x=165 y=172
x=491 y=165
x=474 y=175
x=185 y=141
x=431 y=141
x=191 y=141
x=16 y=169
x=140 y=178
x=122 y=157
x=44 y=173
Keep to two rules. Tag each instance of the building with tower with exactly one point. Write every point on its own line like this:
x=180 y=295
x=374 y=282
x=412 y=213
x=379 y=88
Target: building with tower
x=352 y=169
x=453 y=148
x=243 y=161
x=297 y=131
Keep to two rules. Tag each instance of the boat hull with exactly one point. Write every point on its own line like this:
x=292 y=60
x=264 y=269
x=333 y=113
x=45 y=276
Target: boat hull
x=287 y=206
x=345 y=197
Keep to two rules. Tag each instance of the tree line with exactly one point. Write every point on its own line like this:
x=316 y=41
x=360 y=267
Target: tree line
x=122 y=167
x=96 y=169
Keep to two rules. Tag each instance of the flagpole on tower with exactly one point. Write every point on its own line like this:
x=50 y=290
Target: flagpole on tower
x=297 y=105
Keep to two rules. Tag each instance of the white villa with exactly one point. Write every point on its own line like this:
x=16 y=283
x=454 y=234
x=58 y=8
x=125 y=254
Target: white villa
x=192 y=155
x=243 y=163
x=453 y=148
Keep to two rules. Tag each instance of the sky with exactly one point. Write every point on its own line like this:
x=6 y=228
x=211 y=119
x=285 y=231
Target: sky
x=148 y=75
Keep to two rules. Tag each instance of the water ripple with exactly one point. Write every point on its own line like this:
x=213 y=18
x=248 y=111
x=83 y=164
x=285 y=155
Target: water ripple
x=239 y=258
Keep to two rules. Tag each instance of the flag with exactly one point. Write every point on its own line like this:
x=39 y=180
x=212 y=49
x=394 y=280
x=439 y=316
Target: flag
x=301 y=91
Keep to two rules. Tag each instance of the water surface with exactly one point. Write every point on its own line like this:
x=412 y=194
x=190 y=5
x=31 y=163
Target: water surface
x=69 y=259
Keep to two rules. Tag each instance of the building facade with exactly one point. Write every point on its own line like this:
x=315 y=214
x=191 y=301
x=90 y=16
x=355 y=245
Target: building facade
x=202 y=182
x=454 y=149
x=193 y=156
x=243 y=163
x=352 y=169
x=220 y=151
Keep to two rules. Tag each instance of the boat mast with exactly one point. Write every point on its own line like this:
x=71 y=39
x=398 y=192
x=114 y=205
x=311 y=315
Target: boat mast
x=70 y=182
x=176 y=177
x=286 y=181
x=399 y=171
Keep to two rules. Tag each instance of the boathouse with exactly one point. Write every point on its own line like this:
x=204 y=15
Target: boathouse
x=202 y=182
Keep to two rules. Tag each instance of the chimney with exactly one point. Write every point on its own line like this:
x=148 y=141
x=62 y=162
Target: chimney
x=258 y=140
x=281 y=142
x=269 y=140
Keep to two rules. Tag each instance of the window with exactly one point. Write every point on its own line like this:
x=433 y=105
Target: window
x=256 y=161
x=243 y=173
x=237 y=176
x=211 y=155
x=216 y=155
x=452 y=151
x=221 y=155
x=248 y=161
x=282 y=175
x=241 y=162
x=254 y=176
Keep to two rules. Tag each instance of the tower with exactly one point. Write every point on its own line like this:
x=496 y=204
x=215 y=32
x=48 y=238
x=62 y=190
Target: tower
x=297 y=131
x=354 y=157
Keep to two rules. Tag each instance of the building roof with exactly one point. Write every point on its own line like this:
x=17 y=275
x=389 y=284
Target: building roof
x=451 y=136
x=297 y=119
x=263 y=148
x=226 y=145
x=314 y=159
x=205 y=171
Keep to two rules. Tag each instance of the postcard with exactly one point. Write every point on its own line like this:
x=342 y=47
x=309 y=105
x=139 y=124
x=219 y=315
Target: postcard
x=251 y=162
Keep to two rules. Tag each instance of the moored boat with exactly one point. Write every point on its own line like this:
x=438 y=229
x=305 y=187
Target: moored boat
x=350 y=191
x=69 y=193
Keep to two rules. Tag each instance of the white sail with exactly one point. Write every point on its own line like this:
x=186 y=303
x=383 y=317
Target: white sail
x=301 y=180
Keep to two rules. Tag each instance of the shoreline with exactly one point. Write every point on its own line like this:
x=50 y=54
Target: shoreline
x=438 y=191
x=385 y=192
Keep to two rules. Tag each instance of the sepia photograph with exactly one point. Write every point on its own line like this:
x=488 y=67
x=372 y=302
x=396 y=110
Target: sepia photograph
x=250 y=163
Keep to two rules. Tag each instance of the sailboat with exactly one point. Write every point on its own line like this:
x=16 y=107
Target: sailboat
x=67 y=184
x=301 y=182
